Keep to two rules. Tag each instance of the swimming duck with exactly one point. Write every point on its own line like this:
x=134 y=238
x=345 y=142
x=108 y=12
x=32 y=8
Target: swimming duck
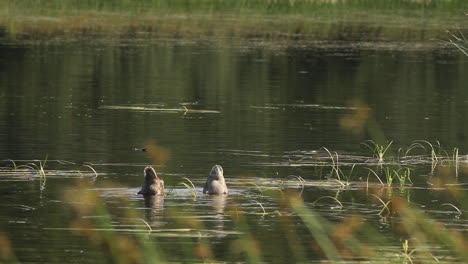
x=153 y=185
x=215 y=183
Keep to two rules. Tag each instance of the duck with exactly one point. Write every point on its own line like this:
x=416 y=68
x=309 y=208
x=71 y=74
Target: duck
x=215 y=184
x=153 y=185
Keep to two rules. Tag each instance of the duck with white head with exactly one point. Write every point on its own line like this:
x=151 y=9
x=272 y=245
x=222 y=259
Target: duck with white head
x=215 y=184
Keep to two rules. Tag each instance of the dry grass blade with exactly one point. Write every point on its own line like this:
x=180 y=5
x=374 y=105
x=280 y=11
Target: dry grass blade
x=340 y=182
x=334 y=164
x=95 y=173
x=146 y=223
x=385 y=205
x=328 y=197
x=461 y=43
x=258 y=188
x=66 y=162
x=434 y=156
x=263 y=208
x=299 y=178
x=454 y=207
x=25 y=166
x=414 y=145
x=375 y=174
x=14 y=164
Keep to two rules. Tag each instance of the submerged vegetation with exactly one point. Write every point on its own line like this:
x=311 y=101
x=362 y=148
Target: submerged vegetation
x=299 y=20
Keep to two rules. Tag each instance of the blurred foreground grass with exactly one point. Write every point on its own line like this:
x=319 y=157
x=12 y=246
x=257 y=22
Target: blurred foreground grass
x=357 y=20
x=307 y=235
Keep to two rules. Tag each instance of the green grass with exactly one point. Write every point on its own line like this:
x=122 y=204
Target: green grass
x=358 y=20
x=242 y=6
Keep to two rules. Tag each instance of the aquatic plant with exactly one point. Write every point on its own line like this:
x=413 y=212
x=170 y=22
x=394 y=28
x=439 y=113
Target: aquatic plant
x=191 y=187
x=371 y=171
x=336 y=170
x=328 y=197
x=384 y=205
x=348 y=177
x=124 y=234
x=378 y=150
x=404 y=176
x=401 y=174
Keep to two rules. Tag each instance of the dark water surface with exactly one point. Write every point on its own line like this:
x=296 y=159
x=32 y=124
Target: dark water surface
x=95 y=103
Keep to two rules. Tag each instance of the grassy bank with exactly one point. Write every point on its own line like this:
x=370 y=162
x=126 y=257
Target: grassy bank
x=358 y=20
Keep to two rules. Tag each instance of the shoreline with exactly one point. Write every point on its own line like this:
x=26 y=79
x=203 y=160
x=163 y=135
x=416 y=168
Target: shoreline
x=355 y=27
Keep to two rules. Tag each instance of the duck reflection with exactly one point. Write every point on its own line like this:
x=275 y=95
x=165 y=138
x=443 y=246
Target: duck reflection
x=218 y=204
x=154 y=209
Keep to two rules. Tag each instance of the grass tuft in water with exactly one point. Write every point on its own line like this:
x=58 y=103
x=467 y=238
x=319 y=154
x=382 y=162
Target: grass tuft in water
x=190 y=186
x=378 y=151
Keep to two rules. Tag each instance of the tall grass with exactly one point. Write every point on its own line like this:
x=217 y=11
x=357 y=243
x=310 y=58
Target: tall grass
x=262 y=6
x=269 y=19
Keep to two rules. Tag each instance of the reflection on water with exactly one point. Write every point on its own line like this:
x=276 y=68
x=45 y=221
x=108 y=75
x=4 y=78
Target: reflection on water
x=264 y=115
x=154 y=208
x=218 y=203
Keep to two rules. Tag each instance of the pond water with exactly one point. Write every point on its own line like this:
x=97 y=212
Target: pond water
x=263 y=113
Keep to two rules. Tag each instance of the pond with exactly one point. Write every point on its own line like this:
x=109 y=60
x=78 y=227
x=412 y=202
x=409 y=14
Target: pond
x=279 y=120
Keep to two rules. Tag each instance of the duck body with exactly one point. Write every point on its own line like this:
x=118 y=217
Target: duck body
x=153 y=185
x=215 y=184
